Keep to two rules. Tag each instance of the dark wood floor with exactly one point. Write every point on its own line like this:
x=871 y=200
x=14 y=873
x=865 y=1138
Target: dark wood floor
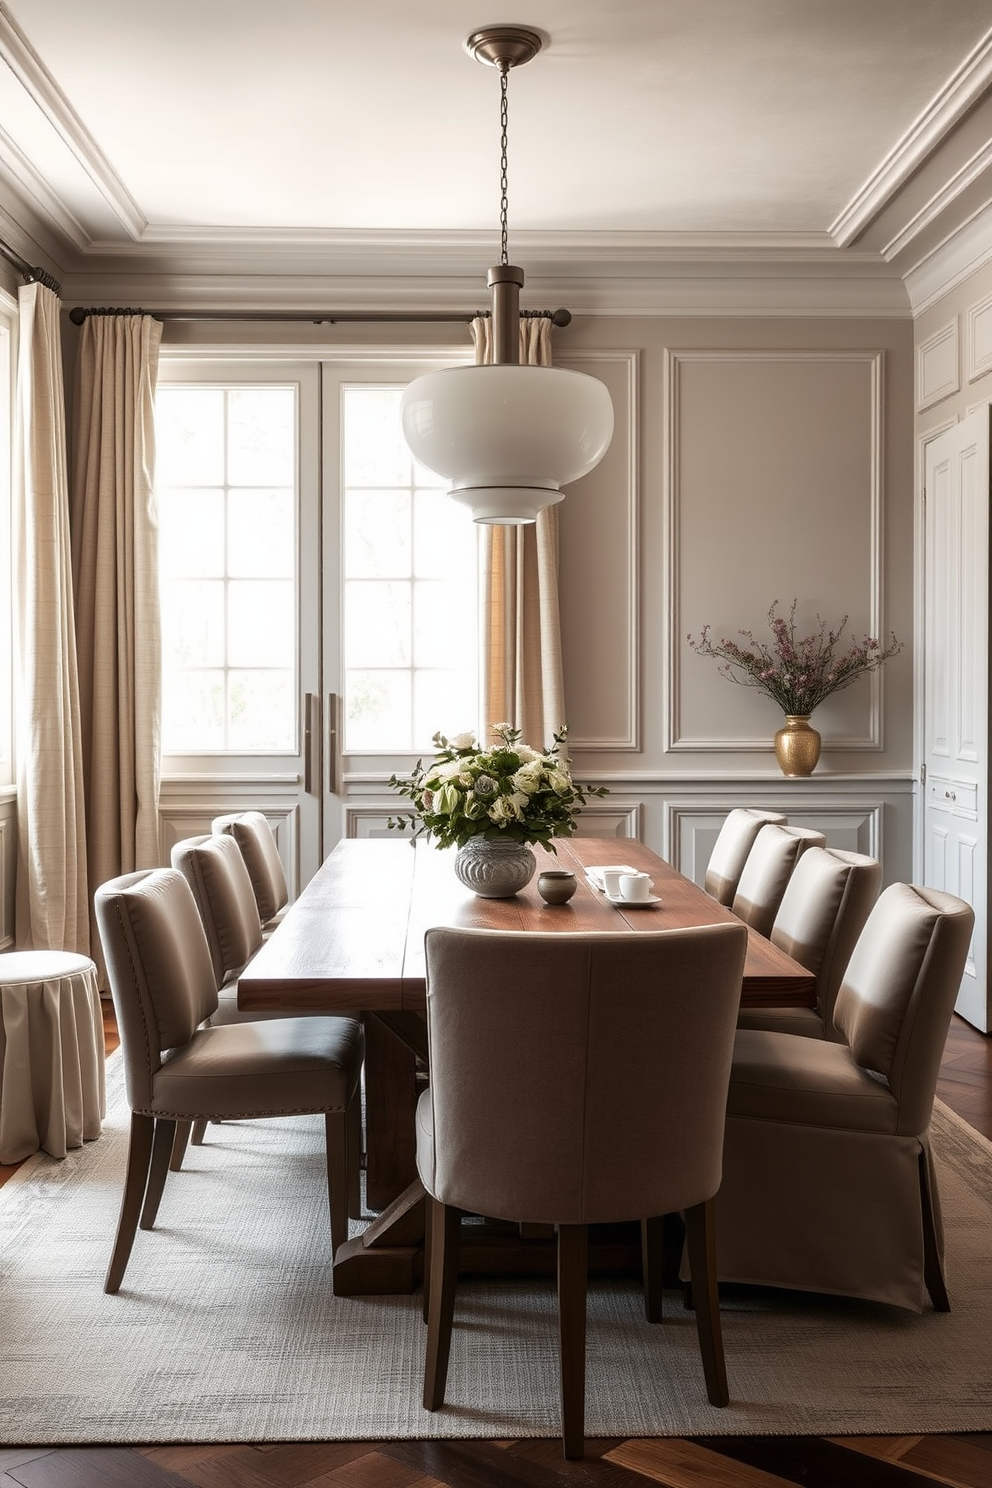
x=727 y=1462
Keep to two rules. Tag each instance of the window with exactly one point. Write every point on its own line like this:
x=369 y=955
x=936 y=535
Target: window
x=410 y=587
x=226 y=484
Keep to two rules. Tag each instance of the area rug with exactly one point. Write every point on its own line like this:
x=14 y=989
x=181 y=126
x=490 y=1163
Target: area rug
x=226 y=1328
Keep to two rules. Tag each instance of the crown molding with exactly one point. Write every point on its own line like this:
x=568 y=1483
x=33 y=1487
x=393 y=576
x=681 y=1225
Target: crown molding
x=41 y=87
x=961 y=254
x=960 y=93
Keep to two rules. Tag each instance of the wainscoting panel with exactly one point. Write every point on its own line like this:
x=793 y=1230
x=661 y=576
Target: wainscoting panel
x=801 y=448
x=599 y=573
x=187 y=808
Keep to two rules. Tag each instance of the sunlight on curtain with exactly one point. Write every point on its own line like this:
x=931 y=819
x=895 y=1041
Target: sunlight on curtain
x=52 y=898
x=521 y=628
x=115 y=570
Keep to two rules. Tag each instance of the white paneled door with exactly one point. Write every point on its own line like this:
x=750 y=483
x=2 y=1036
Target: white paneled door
x=955 y=697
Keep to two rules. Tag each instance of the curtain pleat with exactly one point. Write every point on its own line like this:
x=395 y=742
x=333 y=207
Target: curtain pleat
x=522 y=682
x=115 y=571
x=51 y=893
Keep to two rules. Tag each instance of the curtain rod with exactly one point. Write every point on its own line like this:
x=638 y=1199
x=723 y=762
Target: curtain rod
x=29 y=274
x=322 y=317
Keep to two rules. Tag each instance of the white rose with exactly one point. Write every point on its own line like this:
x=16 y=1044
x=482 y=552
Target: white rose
x=527 y=754
x=446 y=771
x=527 y=779
x=560 y=782
x=463 y=741
x=501 y=811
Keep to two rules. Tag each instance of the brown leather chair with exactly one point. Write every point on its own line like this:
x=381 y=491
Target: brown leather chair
x=254 y=836
x=774 y=854
x=735 y=840
x=574 y=1080
x=178 y=1068
x=828 y=1179
x=823 y=911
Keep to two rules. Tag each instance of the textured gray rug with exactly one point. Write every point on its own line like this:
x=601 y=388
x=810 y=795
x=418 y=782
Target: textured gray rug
x=226 y=1329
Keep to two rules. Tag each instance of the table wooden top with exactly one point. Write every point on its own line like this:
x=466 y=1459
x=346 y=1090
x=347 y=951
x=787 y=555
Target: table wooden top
x=354 y=940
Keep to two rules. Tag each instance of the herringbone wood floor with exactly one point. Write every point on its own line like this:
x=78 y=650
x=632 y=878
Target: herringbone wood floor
x=730 y=1462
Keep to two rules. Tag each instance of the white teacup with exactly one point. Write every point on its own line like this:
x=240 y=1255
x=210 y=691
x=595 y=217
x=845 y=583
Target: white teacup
x=635 y=886
x=611 y=881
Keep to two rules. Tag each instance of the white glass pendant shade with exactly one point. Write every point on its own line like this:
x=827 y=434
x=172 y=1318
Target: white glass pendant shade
x=507 y=437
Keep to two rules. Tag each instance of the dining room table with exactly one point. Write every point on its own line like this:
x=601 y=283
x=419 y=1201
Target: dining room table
x=353 y=943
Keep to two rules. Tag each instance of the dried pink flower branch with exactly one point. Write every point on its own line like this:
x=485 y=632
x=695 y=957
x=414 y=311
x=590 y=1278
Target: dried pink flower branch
x=797 y=673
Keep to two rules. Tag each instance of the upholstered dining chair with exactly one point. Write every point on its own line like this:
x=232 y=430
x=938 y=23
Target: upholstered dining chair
x=577 y=1079
x=829 y=1183
x=824 y=908
x=178 y=1068
x=774 y=854
x=215 y=870
x=730 y=850
x=217 y=874
x=255 y=838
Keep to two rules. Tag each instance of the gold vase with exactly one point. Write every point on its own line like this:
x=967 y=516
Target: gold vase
x=797 y=746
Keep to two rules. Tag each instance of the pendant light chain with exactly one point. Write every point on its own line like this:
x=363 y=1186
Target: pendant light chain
x=504 y=116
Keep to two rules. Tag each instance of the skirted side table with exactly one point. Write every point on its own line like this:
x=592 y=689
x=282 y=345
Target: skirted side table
x=52 y=1091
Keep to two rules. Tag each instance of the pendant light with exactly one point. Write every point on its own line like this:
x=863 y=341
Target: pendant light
x=507 y=436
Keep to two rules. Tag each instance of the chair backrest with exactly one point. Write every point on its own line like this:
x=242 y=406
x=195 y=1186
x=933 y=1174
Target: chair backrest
x=824 y=908
x=215 y=871
x=260 y=851
x=580 y=1078
x=158 y=963
x=774 y=854
x=735 y=840
x=895 y=1002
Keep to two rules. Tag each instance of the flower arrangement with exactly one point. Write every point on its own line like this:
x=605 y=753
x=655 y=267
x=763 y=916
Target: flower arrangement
x=798 y=673
x=509 y=793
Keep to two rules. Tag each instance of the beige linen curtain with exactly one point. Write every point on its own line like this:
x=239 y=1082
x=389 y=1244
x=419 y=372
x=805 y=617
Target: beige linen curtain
x=521 y=633
x=115 y=570
x=51 y=895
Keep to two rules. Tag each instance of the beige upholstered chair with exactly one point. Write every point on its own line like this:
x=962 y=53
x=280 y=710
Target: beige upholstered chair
x=730 y=850
x=177 y=1069
x=216 y=872
x=828 y=1179
x=577 y=1079
x=774 y=854
x=257 y=842
x=826 y=903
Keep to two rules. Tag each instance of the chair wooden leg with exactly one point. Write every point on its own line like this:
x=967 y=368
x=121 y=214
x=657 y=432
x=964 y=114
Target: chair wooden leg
x=573 y=1259
x=336 y=1136
x=652 y=1265
x=199 y=1132
x=179 y=1143
x=139 y=1154
x=162 y=1148
x=444 y=1223
x=933 y=1271
x=428 y=1251
x=701 y=1244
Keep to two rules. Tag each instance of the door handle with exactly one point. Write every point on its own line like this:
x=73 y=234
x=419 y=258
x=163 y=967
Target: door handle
x=333 y=703
x=311 y=743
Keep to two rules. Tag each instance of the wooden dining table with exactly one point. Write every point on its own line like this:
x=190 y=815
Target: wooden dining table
x=353 y=942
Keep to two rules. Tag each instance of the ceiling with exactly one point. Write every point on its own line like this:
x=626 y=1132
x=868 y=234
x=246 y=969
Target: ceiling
x=138 y=137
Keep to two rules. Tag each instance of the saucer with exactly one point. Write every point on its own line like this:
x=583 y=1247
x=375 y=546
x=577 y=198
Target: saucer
x=634 y=903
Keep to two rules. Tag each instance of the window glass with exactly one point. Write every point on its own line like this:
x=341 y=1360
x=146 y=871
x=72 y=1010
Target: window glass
x=410 y=588
x=226 y=486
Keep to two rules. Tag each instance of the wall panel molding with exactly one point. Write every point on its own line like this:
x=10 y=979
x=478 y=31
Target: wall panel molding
x=625 y=509
x=978 y=339
x=677 y=740
x=937 y=366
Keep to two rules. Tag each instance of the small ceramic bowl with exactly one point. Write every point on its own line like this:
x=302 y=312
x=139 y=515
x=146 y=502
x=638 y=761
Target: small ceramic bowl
x=556 y=885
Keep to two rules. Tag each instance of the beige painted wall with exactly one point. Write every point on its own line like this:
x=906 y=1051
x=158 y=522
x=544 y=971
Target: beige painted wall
x=755 y=460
